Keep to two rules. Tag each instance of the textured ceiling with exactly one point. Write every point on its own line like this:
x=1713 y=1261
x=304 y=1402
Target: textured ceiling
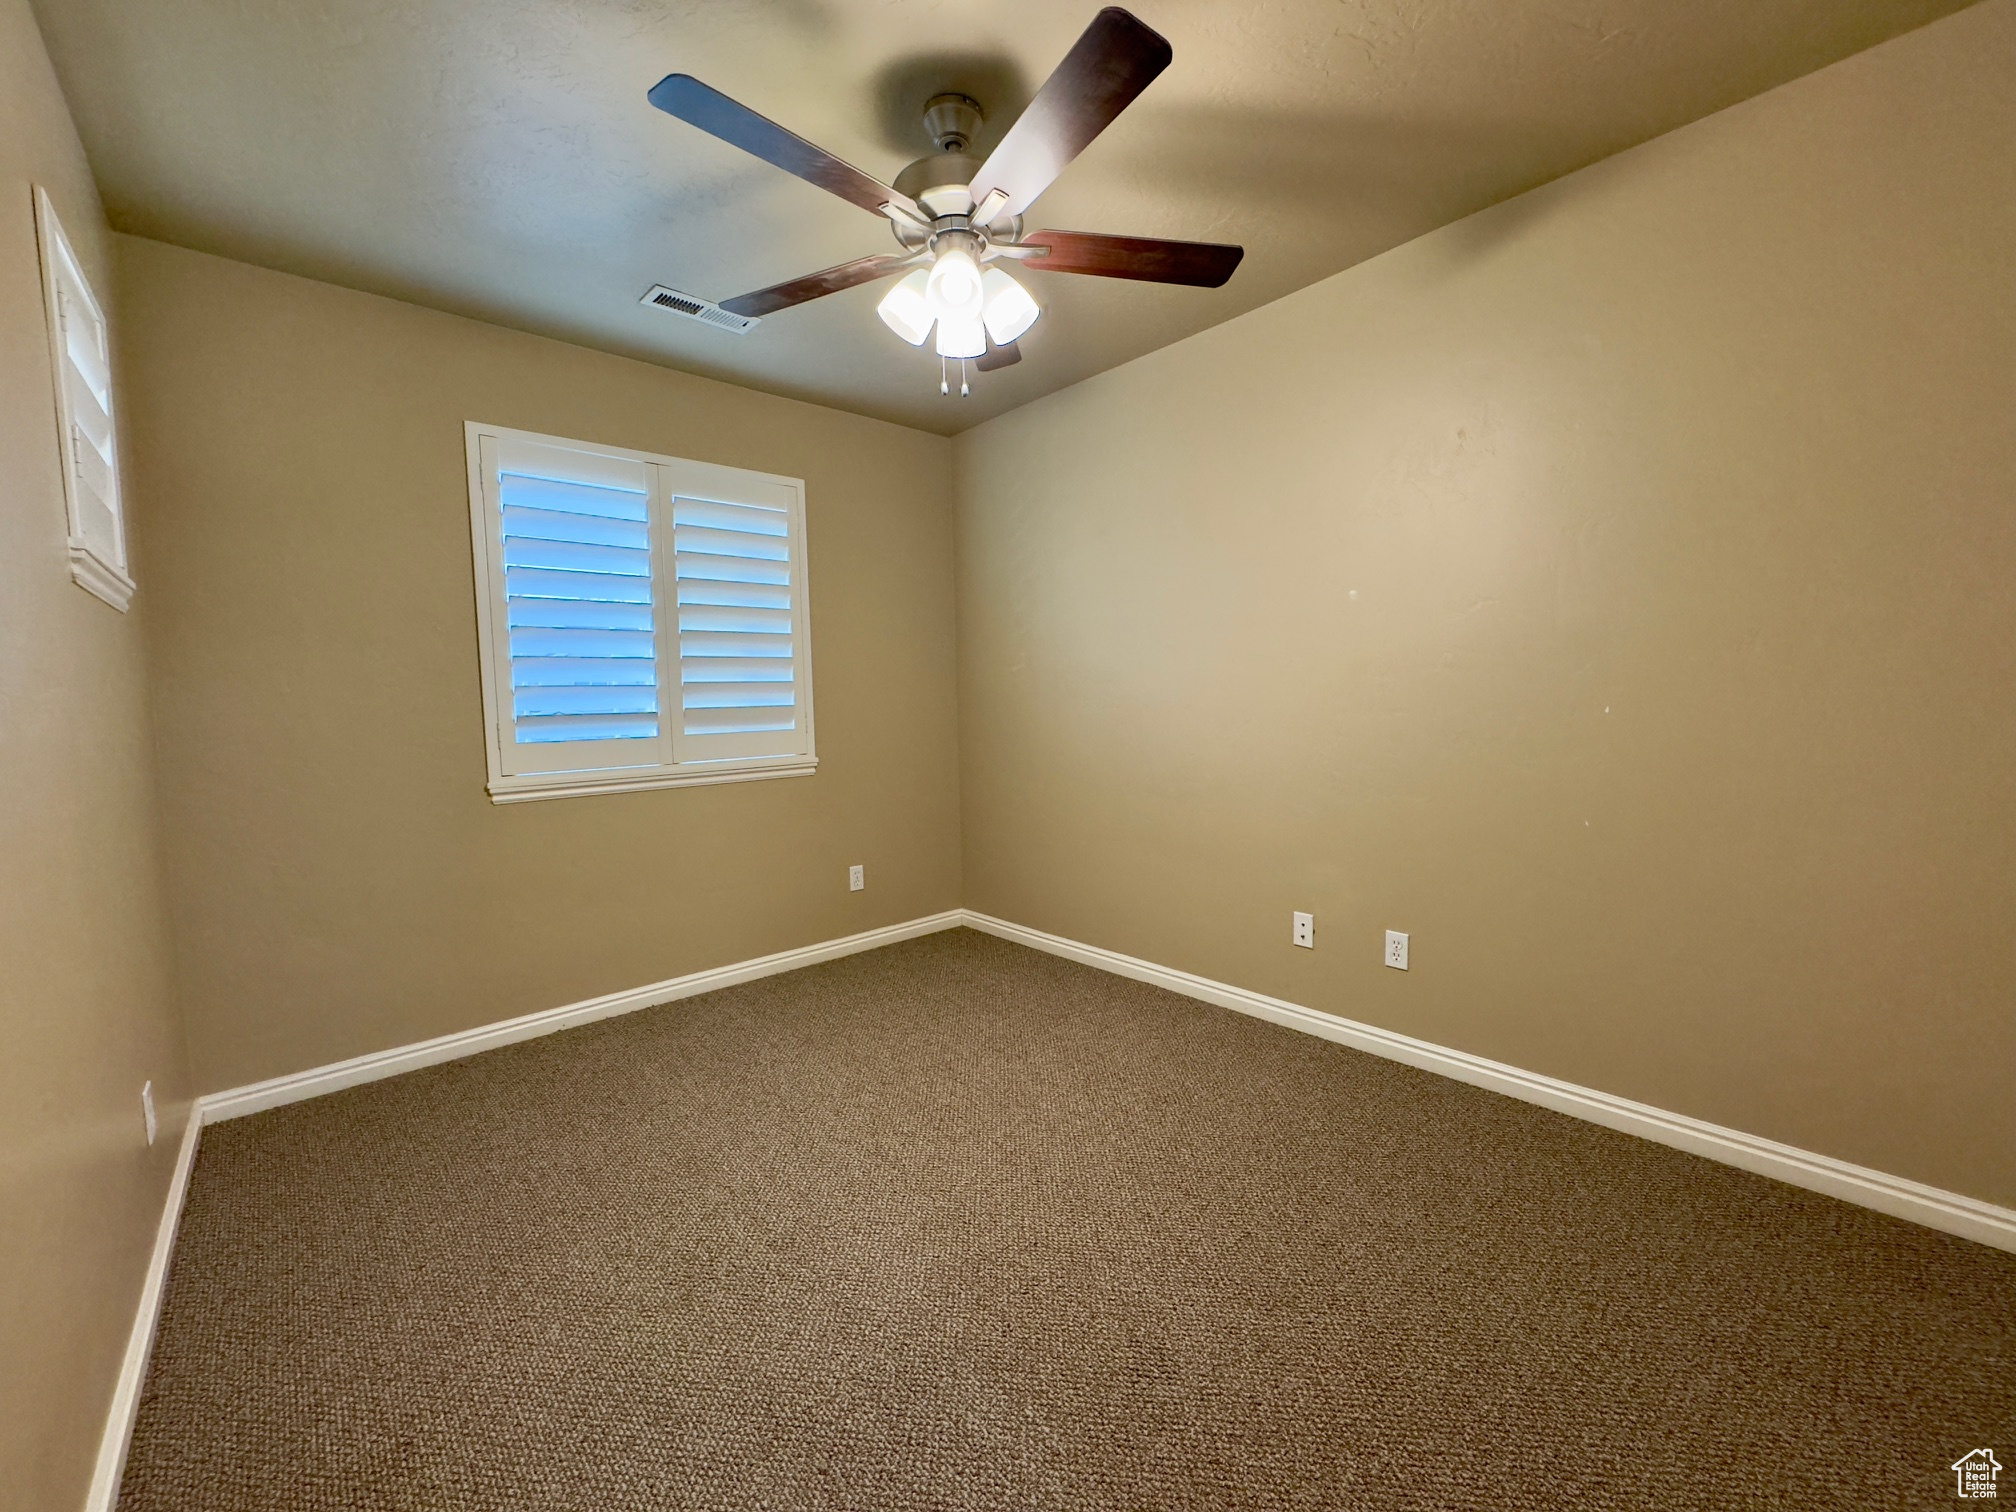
x=499 y=159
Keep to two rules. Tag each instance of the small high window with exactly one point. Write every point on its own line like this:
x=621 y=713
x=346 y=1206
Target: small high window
x=80 y=350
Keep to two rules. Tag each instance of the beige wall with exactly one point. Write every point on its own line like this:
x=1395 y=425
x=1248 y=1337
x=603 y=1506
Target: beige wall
x=341 y=881
x=85 y=1006
x=1614 y=590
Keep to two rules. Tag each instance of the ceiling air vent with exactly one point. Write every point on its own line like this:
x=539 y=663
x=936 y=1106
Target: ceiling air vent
x=693 y=307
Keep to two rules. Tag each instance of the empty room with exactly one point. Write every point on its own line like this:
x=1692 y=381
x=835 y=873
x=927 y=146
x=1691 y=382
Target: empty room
x=946 y=755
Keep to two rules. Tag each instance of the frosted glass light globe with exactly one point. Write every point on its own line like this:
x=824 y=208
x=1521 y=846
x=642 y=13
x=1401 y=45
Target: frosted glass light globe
x=906 y=311
x=961 y=338
x=954 y=290
x=1008 y=309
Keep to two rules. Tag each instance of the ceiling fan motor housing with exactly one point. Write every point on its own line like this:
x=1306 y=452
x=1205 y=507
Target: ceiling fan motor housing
x=939 y=182
x=941 y=171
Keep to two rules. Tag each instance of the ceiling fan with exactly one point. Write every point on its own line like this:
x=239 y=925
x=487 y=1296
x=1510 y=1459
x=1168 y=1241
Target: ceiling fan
x=956 y=218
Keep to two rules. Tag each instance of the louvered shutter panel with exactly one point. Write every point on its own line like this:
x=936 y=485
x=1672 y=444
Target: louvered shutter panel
x=738 y=564
x=87 y=385
x=81 y=350
x=578 y=605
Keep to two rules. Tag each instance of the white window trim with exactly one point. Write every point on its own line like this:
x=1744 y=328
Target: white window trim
x=99 y=575
x=508 y=787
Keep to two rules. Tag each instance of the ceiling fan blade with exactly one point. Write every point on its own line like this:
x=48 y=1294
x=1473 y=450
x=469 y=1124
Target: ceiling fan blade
x=998 y=357
x=1115 y=59
x=815 y=285
x=702 y=105
x=1203 y=265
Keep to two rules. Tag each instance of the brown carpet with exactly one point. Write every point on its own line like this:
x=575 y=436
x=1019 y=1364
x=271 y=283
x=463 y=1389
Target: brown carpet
x=958 y=1225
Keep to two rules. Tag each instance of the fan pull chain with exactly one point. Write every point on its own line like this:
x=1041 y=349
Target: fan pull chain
x=964 y=391
x=944 y=386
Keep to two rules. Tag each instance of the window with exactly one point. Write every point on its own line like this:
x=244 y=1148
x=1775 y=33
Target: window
x=82 y=357
x=643 y=619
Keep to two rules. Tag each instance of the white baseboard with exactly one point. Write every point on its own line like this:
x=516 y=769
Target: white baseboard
x=1950 y=1212
x=259 y=1096
x=104 y=1493
x=1917 y=1203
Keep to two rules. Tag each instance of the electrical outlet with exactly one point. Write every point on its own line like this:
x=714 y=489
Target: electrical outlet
x=147 y=1110
x=857 y=878
x=1305 y=931
x=1396 y=950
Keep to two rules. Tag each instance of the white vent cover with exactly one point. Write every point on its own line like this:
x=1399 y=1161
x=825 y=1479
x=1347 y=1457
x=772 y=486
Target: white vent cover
x=693 y=307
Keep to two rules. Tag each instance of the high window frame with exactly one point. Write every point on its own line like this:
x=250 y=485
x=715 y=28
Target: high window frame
x=80 y=356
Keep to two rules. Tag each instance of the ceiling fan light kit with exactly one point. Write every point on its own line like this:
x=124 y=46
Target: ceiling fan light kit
x=954 y=216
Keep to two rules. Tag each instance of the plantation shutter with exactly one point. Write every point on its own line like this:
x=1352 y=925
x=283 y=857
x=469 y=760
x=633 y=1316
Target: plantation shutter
x=82 y=353
x=644 y=618
x=740 y=590
x=87 y=385
x=580 y=625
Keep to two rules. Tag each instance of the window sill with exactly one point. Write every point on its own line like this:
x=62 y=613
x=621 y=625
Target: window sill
x=581 y=784
x=96 y=575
